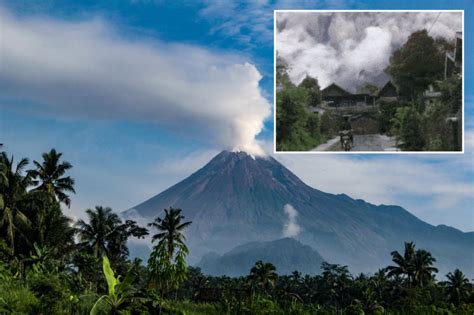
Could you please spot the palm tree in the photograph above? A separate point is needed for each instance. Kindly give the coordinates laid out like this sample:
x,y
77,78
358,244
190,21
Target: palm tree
x,y
167,260
404,263
335,279
49,176
100,233
170,231
263,275
13,189
458,287
423,267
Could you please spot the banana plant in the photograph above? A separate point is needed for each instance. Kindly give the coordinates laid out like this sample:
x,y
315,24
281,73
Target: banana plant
x,y
119,292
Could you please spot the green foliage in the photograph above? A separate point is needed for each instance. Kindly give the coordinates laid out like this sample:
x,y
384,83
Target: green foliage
x,y
387,111
451,91
411,75
292,120
190,308
13,190
106,234
167,262
43,271
48,175
407,124
263,276
458,287
119,292
313,125
15,297
314,91
51,292
416,266
297,128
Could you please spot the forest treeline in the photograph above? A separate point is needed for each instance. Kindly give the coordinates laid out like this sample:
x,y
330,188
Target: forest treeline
x,y
50,264
418,124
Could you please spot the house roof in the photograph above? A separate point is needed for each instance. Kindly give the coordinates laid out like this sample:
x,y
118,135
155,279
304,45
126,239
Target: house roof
x,y
387,86
337,87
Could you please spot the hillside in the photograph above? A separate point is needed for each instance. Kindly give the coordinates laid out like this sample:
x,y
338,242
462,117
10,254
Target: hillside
x,y
286,254
236,199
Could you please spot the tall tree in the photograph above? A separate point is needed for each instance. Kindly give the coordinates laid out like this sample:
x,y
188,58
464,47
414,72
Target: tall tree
x,y
418,63
49,175
167,260
312,85
335,279
106,234
423,267
458,287
13,190
404,263
263,275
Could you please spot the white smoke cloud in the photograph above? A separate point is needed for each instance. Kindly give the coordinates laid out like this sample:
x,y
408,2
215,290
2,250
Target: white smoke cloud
x,y
86,69
351,48
291,227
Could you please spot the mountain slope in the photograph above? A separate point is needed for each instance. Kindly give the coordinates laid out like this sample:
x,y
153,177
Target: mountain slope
x,y
286,254
236,199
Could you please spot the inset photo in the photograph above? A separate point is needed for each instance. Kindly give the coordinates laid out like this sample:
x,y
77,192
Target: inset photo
x,y
369,81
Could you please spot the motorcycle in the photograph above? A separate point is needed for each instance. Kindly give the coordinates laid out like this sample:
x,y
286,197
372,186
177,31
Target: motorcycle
x,y
346,140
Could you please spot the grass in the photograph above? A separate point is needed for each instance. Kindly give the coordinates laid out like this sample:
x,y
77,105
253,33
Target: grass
x,y
193,308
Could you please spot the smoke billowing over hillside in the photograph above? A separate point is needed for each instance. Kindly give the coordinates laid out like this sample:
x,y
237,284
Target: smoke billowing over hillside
x,y
352,48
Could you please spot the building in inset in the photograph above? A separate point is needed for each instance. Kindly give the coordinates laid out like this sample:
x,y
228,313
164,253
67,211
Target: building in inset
x,y
336,96
389,92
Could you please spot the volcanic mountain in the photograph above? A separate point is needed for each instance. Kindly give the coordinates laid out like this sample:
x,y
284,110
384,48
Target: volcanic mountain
x,y
236,199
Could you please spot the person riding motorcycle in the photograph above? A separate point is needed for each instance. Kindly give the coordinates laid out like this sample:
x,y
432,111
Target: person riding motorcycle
x,y
346,132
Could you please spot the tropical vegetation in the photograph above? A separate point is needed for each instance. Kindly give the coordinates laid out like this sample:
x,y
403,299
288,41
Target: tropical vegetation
x,y
419,121
50,264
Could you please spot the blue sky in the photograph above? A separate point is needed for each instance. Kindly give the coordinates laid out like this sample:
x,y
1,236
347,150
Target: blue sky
x,y
125,150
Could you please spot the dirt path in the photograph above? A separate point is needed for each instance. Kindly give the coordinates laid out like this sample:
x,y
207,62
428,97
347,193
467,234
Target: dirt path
x,y
373,142
327,145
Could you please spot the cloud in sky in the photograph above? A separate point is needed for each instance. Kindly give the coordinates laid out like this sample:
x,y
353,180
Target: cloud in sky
x,y
251,22
351,48
85,69
291,228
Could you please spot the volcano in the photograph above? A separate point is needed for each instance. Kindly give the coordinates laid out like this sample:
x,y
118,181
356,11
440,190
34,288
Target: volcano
x,y
237,199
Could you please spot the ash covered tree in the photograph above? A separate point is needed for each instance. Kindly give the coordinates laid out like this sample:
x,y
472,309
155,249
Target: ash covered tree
x,y
314,91
415,65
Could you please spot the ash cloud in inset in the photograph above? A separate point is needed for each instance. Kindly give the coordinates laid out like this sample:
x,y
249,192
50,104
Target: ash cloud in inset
x,y
351,48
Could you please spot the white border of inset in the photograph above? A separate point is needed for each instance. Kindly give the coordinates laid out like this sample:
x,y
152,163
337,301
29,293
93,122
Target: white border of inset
x,y
363,152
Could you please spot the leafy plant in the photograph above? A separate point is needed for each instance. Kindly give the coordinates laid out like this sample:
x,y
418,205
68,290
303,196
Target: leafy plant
x,y
167,260
119,294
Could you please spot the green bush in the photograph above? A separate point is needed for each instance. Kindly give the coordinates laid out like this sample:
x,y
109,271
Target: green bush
x,y
52,294
16,298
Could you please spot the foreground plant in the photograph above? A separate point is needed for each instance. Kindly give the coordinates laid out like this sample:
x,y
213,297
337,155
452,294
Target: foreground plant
x,y
119,292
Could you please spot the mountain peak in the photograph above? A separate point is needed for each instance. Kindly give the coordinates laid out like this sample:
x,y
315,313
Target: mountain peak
x,y
240,154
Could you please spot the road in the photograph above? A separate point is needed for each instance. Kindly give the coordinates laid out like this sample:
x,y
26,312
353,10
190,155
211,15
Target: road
x,y
373,142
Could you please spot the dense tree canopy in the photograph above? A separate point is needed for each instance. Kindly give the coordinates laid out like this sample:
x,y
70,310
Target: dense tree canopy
x,y
418,63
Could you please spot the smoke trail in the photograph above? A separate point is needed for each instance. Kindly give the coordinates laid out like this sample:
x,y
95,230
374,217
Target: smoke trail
x,y
291,227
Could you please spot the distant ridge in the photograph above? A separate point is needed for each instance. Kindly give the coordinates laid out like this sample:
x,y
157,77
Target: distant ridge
x,y
286,254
